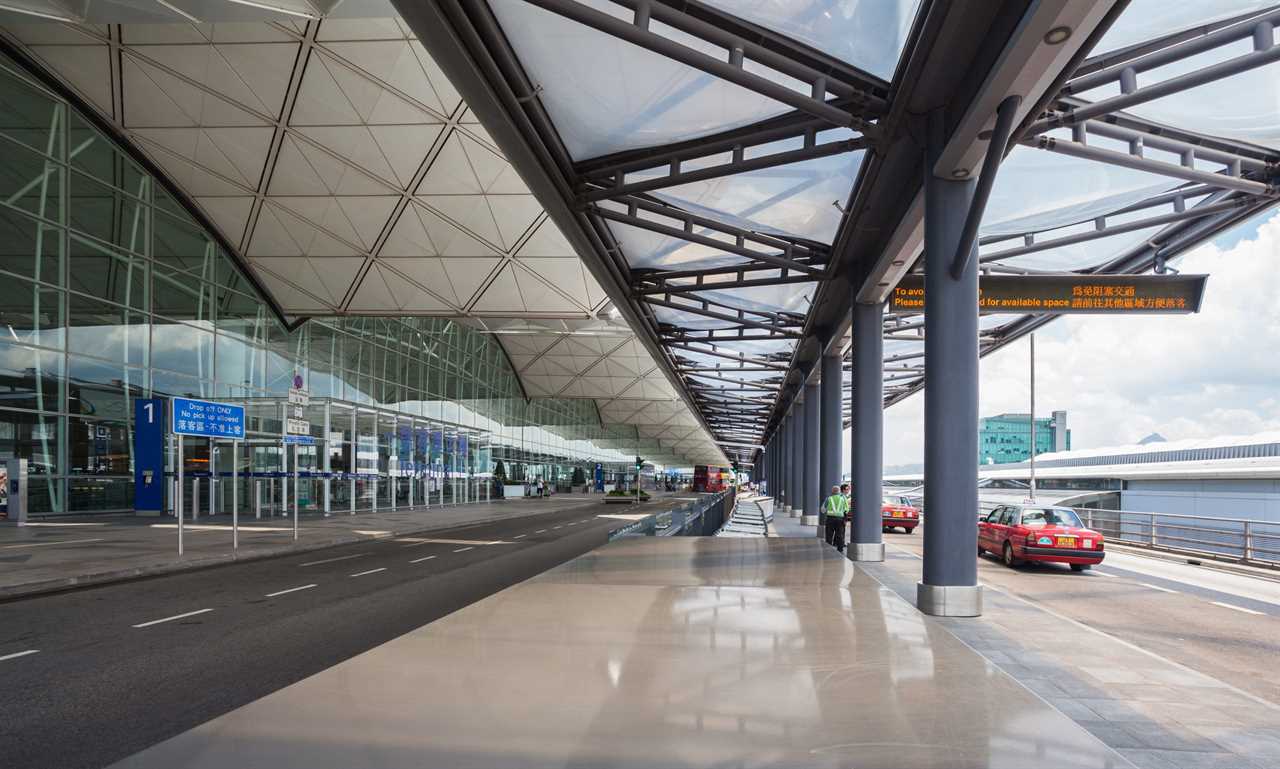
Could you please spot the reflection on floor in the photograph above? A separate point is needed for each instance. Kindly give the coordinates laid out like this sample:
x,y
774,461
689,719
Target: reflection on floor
x,y
660,652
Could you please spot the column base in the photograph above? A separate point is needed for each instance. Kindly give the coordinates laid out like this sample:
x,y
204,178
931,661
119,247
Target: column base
x,y
794,512
866,551
808,520
949,600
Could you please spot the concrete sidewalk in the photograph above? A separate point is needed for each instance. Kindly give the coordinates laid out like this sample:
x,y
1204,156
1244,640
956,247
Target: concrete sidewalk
x,y
57,554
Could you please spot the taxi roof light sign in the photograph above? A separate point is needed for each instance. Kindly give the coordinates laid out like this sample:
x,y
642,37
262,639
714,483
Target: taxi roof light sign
x,y
1070,294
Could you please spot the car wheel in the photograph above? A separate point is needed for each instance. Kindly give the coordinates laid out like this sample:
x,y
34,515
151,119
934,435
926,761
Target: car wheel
x,y
911,530
981,552
1079,566
1009,560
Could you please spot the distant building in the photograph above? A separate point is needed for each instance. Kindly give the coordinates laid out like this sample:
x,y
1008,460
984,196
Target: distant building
x,y
1006,438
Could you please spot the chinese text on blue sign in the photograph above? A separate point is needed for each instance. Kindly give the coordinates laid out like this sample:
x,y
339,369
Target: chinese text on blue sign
x,y
207,419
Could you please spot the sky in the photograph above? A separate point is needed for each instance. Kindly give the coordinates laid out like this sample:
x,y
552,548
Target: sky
x,y
1122,378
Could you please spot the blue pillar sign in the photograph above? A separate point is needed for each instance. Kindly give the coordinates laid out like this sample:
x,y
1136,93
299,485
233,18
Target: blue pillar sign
x,y
148,454
208,419
599,477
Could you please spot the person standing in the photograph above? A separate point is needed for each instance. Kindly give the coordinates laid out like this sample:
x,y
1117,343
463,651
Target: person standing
x,y
847,493
835,507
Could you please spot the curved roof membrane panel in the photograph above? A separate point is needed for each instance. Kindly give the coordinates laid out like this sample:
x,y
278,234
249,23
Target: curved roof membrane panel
x,y
606,96
868,35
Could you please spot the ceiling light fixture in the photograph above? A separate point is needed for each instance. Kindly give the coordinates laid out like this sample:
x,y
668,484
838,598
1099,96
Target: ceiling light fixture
x,y
1057,35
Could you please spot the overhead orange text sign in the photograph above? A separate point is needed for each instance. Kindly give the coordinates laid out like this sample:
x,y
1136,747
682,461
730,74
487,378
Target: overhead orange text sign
x,y
1070,294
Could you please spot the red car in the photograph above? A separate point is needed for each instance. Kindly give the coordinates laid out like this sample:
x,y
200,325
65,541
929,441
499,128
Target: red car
x,y
1029,532
897,512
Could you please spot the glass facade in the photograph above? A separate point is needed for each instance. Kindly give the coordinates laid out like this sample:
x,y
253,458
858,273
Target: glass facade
x,y
112,292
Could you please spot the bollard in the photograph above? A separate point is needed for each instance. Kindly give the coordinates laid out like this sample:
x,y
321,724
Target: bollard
x,y
195,499
257,499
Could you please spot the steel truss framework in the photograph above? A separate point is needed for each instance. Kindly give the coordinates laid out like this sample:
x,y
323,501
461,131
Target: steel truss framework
x,y
701,333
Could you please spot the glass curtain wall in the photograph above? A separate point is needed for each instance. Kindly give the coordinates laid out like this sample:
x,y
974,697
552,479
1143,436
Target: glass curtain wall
x,y
113,292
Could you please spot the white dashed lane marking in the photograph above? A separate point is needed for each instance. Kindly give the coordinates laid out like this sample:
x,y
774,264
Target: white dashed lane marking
x,y
16,655
420,560
334,560
463,549
370,571
1237,608
1157,587
290,590
171,619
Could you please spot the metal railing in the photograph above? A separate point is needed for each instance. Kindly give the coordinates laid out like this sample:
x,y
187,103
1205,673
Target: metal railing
x,y
1245,540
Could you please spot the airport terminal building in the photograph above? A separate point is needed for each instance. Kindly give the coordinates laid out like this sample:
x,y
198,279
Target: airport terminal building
x,y
116,287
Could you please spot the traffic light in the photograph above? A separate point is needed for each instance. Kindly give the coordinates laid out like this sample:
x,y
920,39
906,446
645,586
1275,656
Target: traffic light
x,y
639,464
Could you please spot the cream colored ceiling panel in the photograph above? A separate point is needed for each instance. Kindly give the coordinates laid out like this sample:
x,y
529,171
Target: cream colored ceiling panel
x,y
392,62
406,147
468,275
193,179
547,240
254,75
360,29
410,297
355,143
450,240
373,295
321,100
468,212
565,274
408,237
294,296
426,272
502,294
338,175
539,296
85,67
514,215
233,153
198,106
451,173
229,214
336,274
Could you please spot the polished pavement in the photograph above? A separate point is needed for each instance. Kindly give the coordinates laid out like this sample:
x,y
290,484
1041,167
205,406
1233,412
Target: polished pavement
x,y
659,652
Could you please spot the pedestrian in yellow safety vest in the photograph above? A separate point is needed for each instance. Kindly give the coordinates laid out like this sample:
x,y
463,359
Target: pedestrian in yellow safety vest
x,y
835,507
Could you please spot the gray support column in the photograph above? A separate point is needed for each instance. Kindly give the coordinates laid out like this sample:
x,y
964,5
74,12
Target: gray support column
x,y
797,459
866,441
950,585
809,472
832,428
784,461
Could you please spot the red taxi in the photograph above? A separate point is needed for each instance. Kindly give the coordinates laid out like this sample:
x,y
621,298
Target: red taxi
x,y
898,512
1030,532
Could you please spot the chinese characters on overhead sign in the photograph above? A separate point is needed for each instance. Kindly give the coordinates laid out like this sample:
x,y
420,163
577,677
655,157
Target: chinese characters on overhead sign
x,y
1070,294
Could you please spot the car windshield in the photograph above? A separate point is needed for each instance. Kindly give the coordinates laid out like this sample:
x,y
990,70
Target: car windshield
x,y
1049,516
892,500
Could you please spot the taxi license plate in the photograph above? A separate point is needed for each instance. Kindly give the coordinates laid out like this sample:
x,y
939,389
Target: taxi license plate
x,y
1066,541
897,513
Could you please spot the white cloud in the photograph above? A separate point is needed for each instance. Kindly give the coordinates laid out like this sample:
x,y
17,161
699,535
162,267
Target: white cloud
x,y
1184,376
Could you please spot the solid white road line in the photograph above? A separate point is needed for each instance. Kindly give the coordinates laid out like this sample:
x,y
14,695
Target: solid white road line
x,y
420,560
1157,587
333,560
290,590
370,571
47,544
463,549
171,619
15,655
1237,608
1103,574
519,536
